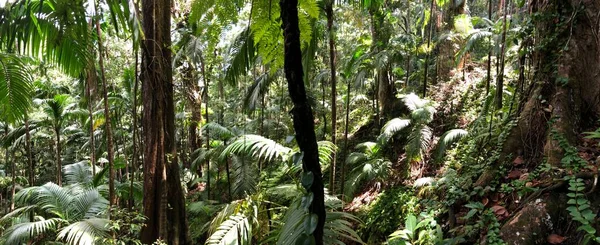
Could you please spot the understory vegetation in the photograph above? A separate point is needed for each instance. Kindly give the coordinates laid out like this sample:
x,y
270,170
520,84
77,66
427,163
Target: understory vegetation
x,y
286,122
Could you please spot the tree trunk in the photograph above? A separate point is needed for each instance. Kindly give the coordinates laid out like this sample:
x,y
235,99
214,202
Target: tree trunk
x,y
380,33
302,112
164,204
332,61
426,69
58,159
13,175
446,56
90,80
570,95
489,61
194,99
29,153
109,137
134,111
500,80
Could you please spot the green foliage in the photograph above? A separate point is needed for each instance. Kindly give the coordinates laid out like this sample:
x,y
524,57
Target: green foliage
x,y
15,87
425,230
580,210
383,216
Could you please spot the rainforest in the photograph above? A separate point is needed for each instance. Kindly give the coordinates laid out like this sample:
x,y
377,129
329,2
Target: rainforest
x,y
299,122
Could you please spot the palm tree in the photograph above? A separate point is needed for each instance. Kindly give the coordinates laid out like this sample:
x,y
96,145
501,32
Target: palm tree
x,y
74,214
57,110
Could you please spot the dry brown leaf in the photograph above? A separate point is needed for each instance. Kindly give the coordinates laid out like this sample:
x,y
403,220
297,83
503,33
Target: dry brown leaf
x,y
555,239
518,161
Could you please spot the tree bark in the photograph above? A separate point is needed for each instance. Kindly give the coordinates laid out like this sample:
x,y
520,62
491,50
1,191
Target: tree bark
x,y
332,61
302,114
500,80
109,137
164,204
567,88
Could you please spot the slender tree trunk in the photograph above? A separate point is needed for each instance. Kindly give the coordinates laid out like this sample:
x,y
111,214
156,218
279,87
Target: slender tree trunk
x,y
134,154
109,137
332,61
13,175
164,204
500,81
346,129
302,112
58,154
429,50
90,80
29,153
206,97
489,61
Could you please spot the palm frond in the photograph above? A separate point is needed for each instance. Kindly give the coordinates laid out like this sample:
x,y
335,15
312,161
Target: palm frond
x,y
85,232
88,204
219,131
391,128
79,173
418,142
23,232
448,138
235,230
240,56
244,176
326,151
256,146
15,87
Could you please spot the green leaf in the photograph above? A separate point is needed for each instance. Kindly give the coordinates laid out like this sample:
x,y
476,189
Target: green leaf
x,y
310,223
307,179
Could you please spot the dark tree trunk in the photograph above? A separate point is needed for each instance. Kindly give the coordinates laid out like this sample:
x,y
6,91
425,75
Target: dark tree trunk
x,y
332,60
302,112
164,204
134,113
500,80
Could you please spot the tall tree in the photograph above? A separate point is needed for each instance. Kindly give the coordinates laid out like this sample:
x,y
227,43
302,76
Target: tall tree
x,y
302,114
164,204
332,60
108,125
